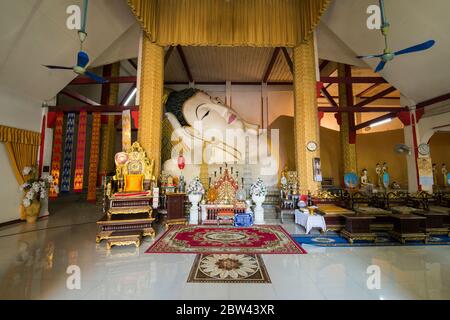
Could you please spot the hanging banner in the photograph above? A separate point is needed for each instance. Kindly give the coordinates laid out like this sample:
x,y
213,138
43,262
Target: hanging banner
x,y
81,151
68,148
126,130
94,156
56,154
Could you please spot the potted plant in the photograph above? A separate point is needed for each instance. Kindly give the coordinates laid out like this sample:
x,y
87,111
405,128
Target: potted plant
x,y
35,189
258,191
195,192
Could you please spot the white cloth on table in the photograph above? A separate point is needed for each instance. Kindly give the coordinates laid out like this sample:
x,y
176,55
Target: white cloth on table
x,y
310,221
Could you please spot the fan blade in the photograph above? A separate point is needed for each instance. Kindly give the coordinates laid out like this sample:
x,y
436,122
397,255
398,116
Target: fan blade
x,y
83,59
58,67
380,66
95,77
370,56
420,47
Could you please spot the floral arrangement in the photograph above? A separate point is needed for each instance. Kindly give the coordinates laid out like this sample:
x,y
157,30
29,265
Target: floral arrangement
x,y
195,187
258,188
35,188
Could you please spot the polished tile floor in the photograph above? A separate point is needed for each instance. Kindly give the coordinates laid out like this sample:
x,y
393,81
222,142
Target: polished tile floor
x,y
34,262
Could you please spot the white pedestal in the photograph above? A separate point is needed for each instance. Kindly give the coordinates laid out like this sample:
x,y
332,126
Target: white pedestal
x,y
259,210
193,211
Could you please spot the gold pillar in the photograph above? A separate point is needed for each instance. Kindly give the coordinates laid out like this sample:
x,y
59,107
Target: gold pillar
x,y
204,174
150,100
348,149
306,123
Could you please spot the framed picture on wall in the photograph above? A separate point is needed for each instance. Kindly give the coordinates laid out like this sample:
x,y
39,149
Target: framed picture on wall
x,y
317,170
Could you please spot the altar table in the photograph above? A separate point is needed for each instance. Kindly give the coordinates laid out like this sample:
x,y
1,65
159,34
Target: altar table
x,y
310,221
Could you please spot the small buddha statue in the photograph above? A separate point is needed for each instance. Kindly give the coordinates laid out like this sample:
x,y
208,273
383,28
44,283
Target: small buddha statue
x,y
379,172
444,173
181,185
435,179
364,180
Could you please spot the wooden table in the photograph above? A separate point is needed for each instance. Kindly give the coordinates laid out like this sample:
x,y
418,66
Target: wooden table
x,y
357,227
175,209
284,211
408,227
434,223
140,222
383,220
124,238
334,215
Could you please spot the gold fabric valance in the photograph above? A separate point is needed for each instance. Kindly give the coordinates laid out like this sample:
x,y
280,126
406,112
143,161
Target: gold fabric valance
x,y
260,23
14,135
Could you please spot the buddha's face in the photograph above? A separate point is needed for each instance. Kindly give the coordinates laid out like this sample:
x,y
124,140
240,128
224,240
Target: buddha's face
x,y
211,113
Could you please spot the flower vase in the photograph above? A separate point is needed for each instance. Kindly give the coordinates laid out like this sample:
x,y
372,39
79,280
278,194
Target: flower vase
x,y
194,198
259,210
32,212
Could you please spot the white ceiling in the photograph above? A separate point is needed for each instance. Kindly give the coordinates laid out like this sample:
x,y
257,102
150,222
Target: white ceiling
x,y
34,33
419,76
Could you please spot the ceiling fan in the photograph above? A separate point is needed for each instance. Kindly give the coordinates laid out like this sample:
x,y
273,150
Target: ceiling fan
x,y
388,55
82,56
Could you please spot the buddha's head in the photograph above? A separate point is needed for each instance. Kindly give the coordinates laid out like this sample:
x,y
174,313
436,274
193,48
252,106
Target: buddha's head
x,y
190,106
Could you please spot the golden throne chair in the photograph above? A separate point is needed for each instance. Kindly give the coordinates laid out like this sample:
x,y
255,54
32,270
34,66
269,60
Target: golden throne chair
x,y
132,182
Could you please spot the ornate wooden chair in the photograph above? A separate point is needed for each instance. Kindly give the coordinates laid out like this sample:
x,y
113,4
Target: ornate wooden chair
x,y
129,192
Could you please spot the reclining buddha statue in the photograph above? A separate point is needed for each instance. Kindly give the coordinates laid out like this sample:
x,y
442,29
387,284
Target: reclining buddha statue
x,y
211,132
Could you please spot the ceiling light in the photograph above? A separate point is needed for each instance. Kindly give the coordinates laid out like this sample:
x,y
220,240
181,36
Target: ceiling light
x,y
130,97
379,123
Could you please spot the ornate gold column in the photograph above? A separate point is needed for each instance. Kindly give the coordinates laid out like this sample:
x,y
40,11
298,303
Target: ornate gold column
x,y
306,124
108,130
150,100
348,139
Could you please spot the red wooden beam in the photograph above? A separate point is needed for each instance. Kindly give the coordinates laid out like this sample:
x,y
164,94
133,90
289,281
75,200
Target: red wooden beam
x,y
329,97
78,97
352,80
430,102
90,109
376,97
133,64
288,59
86,80
167,55
421,105
323,64
361,109
275,54
185,64
359,95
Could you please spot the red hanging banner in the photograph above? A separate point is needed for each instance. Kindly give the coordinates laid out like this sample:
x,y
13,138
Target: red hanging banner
x,y
56,154
81,151
94,156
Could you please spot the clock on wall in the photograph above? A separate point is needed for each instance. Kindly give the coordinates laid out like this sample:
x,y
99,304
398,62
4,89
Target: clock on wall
x,y
311,146
424,149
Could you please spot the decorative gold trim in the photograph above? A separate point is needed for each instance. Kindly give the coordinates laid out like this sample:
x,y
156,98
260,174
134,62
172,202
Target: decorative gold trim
x,y
358,236
170,223
403,237
112,242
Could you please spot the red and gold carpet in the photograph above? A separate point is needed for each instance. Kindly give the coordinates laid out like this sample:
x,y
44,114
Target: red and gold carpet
x,y
263,239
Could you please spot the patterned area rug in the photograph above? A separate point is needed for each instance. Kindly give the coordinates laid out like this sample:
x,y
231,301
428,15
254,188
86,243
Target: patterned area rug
x,y
264,239
229,268
332,239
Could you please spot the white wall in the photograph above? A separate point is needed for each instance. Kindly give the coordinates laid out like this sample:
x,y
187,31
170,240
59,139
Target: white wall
x,y
19,112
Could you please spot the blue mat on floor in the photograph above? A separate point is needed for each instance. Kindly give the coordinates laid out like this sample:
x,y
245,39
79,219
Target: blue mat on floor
x,y
332,239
